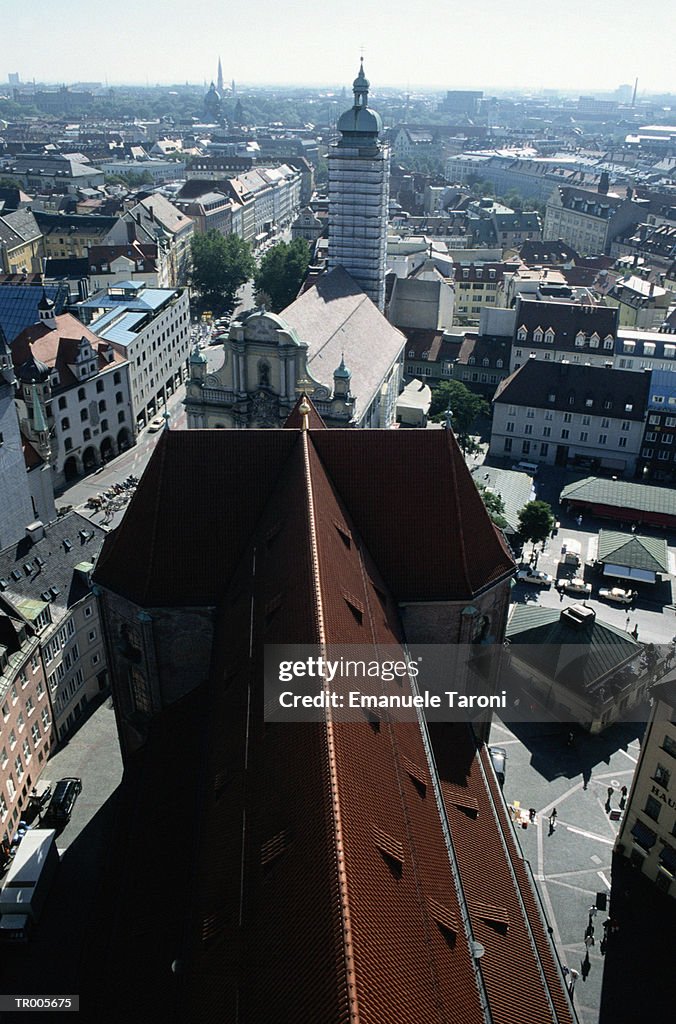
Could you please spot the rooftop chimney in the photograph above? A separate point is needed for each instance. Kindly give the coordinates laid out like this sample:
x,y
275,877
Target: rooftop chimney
x,y
604,183
35,531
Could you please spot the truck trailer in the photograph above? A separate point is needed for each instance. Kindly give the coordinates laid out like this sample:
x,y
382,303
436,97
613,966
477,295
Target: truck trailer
x,y
27,884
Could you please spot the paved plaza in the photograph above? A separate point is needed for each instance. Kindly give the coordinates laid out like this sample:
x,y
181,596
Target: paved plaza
x,y
571,863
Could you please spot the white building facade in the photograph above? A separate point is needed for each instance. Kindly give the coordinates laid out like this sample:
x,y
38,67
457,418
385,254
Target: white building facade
x,y
150,327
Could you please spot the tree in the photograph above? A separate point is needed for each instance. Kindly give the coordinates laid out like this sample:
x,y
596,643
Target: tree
x,y
536,522
495,506
282,272
220,265
465,406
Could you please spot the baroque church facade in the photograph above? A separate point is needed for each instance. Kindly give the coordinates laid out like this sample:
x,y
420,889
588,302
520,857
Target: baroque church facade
x,y
333,342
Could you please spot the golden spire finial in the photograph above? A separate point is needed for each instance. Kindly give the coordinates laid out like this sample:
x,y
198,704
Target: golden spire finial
x,y
304,410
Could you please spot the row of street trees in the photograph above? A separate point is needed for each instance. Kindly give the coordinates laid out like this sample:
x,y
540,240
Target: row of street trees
x,y
221,264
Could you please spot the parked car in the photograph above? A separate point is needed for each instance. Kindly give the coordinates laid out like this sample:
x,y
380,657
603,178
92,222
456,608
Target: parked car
x,y
155,424
574,586
535,576
617,595
61,805
499,762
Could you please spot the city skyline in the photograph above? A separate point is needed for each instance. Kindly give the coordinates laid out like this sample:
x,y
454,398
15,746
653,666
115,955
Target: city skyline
x,y
491,50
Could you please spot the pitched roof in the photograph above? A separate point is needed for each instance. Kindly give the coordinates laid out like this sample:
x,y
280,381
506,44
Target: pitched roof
x,y
337,901
372,470
575,655
19,304
631,550
567,320
575,388
622,494
334,316
56,347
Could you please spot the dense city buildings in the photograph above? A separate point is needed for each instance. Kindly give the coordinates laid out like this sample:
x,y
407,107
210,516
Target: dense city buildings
x,y
497,262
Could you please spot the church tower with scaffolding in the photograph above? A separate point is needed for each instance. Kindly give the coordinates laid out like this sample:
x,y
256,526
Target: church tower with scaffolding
x,y
359,173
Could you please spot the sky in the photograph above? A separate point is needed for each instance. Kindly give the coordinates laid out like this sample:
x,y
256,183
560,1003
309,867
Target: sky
x,y
446,44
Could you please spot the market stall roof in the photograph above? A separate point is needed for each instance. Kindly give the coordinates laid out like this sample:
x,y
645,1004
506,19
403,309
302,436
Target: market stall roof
x,y
596,490
633,552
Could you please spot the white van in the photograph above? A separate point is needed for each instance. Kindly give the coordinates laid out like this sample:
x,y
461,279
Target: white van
x,y
27,883
526,467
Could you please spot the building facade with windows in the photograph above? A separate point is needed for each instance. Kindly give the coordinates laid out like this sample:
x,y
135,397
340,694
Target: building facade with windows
x,y
26,719
658,451
647,837
150,328
74,394
45,583
567,415
644,350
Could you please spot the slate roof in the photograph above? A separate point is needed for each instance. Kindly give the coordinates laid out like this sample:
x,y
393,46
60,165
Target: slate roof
x,y
547,252
93,225
566,319
621,494
335,316
337,902
575,388
596,204
19,304
577,656
24,223
63,547
634,551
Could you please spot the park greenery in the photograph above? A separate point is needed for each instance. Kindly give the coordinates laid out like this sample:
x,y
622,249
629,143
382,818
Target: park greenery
x,y
281,273
220,265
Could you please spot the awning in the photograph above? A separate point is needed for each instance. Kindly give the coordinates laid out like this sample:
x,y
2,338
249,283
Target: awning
x,y
668,859
643,835
624,572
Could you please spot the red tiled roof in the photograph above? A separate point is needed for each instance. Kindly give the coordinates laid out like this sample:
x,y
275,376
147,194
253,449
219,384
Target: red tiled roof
x,y
56,347
440,545
314,882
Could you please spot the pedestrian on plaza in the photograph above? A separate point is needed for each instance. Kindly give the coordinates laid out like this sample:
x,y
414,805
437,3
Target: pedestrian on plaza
x,y
604,945
586,967
589,934
552,821
593,910
623,791
531,813
574,975
588,941
610,793
561,594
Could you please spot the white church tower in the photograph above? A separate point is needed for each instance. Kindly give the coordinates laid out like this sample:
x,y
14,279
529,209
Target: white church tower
x,y
359,192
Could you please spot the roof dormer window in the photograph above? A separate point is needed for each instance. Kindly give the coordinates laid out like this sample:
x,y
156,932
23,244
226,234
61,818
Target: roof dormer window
x,y
549,336
580,339
537,334
522,333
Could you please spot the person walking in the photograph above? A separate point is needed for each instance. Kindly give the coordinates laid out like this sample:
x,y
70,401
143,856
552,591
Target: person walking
x,y
552,821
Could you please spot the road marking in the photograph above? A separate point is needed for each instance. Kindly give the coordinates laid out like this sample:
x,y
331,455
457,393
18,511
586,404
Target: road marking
x,y
603,879
589,835
567,885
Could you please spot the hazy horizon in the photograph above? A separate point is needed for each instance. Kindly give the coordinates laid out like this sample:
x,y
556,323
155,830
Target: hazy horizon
x,y
580,47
